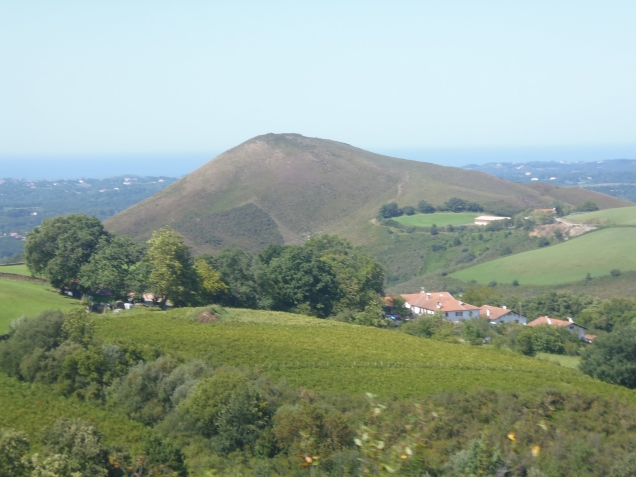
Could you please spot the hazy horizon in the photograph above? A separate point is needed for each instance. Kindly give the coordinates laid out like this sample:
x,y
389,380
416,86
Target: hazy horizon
x,y
95,166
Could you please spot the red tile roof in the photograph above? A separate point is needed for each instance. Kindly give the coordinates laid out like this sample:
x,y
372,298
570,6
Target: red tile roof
x,y
495,311
437,301
544,320
589,337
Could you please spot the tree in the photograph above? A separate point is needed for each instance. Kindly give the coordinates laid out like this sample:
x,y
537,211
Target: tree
x,y
359,276
434,230
480,295
237,271
587,206
390,210
408,210
172,274
608,314
455,204
60,247
211,286
299,280
14,447
612,358
112,266
425,208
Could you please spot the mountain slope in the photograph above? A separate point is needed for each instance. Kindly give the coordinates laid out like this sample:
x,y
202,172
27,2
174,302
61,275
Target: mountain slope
x,y
282,188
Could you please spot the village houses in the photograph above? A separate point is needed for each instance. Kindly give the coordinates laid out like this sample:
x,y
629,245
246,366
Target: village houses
x,y
568,324
443,302
501,315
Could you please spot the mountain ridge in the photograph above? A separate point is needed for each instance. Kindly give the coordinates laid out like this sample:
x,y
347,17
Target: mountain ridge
x,y
308,186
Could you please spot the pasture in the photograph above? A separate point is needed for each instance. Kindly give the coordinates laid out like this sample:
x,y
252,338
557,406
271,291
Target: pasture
x,y
620,216
15,269
21,297
441,219
596,253
331,356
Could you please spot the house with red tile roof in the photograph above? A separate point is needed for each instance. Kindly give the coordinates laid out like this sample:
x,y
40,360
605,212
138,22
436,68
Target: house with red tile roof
x,y
498,315
568,324
589,338
442,302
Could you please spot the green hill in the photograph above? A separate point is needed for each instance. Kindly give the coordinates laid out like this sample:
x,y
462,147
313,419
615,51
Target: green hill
x,y
285,187
338,357
596,253
24,297
621,216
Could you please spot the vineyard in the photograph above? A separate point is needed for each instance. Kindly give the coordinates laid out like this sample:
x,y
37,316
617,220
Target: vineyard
x,y
332,356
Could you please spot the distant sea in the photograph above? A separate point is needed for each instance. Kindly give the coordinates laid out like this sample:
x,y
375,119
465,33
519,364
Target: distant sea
x,y
177,165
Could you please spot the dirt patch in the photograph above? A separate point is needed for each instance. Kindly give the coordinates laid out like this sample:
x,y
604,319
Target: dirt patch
x,y
568,230
207,317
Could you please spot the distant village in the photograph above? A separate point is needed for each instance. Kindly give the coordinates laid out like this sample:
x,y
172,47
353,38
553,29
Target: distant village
x,y
455,310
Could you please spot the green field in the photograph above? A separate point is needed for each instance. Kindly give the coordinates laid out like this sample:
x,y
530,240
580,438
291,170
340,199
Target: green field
x,y
596,253
338,357
620,216
16,269
18,297
440,219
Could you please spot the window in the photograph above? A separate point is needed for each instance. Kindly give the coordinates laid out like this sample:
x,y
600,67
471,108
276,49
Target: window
x,y
458,313
446,314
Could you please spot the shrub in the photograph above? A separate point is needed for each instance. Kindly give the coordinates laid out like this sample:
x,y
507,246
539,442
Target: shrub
x,y
425,208
615,272
390,210
14,447
408,210
612,358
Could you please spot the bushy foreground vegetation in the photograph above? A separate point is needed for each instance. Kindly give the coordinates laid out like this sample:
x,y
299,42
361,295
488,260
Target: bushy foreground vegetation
x,y
206,413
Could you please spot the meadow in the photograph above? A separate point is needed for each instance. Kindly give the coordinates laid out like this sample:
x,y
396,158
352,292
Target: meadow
x,y
21,297
441,219
16,269
596,253
620,216
331,356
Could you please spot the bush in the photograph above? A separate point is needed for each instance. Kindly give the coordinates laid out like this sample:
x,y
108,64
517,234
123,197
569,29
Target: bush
x,y
612,358
14,447
408,210
425,208
390,210
615,272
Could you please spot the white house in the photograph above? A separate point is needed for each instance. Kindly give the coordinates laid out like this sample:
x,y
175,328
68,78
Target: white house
x,y
486,219
572,327
443,302
498,315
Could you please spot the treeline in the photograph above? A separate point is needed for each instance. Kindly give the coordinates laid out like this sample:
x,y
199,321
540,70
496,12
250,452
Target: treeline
x,y
454,204
325,276
232,421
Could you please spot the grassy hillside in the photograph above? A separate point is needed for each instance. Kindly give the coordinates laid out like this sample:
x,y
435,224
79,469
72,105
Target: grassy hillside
x,y
621,216
596,253
15,269
21,297
576,196
333,356
440,219
286,187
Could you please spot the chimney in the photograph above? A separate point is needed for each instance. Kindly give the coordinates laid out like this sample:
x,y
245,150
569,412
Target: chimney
x,y
441,294
461,302
570,319
428,295
549,320
422,290
439,305
505,307
488,312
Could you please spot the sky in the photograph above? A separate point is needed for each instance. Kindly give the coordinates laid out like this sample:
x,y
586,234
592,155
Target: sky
x,y
171,84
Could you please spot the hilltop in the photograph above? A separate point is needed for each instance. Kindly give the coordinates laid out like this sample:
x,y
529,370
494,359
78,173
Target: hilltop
x,y
283,188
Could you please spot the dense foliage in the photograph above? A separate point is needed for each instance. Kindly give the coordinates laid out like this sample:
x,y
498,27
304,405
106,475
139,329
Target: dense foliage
x,y
238,421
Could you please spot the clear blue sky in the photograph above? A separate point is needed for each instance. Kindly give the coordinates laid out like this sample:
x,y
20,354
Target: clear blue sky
x,y
189,77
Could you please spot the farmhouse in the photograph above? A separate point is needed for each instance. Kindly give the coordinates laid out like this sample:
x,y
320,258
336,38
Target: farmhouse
x,y
443,302
498,315
486,219
572,327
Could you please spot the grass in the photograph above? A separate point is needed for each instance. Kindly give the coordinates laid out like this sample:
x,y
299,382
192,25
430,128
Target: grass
x,y
565,361
31,407
19,297
620,216
596,253
16,269
332,356
440,219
